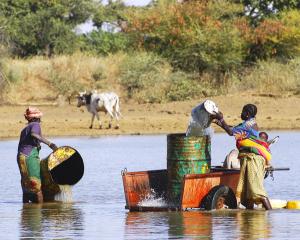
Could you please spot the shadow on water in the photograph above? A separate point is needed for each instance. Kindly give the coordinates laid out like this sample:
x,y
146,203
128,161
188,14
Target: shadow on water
x,y
51,220
228,224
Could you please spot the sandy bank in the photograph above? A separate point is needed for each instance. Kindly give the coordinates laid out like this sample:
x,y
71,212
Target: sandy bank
x,y
68,120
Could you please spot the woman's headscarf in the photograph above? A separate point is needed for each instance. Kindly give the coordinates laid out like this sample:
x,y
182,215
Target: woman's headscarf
x,y
32,112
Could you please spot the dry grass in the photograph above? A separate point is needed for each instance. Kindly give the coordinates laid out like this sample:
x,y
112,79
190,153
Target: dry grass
x,y
274,77
42,80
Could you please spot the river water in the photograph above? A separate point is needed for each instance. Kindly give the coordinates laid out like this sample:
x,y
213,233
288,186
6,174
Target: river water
x,y
97,210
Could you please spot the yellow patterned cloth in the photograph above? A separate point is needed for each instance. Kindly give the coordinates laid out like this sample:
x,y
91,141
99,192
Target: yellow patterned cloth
x,y
59,155
250,187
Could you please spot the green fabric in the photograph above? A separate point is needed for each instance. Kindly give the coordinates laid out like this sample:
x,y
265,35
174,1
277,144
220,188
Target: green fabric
x,y
33,164
29,167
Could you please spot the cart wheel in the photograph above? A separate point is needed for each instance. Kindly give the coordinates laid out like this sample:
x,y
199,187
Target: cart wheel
x,y
220,197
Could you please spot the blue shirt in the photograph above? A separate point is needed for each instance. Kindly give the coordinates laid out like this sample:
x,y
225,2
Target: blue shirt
x,y
245,130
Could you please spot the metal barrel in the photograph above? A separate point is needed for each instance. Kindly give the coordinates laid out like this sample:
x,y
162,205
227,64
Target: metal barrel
x,y
62,167
185,155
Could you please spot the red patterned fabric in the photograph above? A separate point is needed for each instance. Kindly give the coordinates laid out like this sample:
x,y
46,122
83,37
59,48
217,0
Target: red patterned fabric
x,y
32,112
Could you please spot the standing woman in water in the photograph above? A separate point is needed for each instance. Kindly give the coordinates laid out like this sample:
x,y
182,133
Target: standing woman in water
x,y
250,188
28,156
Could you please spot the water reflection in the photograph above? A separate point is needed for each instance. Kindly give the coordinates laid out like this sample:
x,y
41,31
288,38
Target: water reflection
x,y
235,224
146,224
241,224
190,224
51,220
169,225
254,224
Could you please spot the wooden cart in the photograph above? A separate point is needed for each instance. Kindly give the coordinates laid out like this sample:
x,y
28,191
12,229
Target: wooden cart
x,y
214,190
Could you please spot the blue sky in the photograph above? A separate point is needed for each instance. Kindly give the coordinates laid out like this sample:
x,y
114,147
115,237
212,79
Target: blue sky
x,y
133,2
137,2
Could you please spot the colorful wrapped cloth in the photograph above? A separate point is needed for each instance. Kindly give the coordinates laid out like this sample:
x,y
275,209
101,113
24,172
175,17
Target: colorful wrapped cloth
x,y
247,140
29,167
255,146
245,130
250,186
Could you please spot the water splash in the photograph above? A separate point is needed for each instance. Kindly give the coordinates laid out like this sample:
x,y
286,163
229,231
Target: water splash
x,y
65,194
208,131
153,200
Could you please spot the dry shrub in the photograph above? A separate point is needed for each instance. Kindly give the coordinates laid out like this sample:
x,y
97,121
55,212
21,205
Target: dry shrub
x,y
41,79
147,77
273,76
26,80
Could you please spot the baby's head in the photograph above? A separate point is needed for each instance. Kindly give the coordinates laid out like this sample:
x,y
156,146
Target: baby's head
x,y
264,136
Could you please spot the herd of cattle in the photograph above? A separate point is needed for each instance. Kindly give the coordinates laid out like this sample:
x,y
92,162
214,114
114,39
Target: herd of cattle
x,y
95,102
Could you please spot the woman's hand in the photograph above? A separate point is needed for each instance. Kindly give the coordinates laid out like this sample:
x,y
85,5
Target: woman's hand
x,y
218,115
53,146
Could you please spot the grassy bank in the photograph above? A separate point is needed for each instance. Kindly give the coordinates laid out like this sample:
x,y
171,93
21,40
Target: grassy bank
x,y
141,77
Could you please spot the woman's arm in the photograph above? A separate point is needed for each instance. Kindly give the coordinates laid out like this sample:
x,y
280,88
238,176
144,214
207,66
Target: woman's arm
x,y
226,127
44,140
221,122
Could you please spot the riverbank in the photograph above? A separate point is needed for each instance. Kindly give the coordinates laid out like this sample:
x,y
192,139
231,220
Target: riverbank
x,y
274,113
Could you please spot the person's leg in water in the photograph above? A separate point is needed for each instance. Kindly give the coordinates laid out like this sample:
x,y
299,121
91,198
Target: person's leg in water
x,y
266,203
250,204
26,198
33,197
39,197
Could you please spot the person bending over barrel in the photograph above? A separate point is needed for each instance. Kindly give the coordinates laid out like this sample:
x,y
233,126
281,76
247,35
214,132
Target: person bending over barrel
x,y
28,156
253,155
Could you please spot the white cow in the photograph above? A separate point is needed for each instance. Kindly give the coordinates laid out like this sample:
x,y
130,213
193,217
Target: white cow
x,y
95,102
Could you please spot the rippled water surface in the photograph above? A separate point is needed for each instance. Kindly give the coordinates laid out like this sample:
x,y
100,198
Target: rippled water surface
x,y
98,208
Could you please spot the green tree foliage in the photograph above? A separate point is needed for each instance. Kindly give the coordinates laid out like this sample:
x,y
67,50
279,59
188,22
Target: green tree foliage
x,y
147,77
111,13
195,36
104,43
109,37
4,41
260,9
272,37
44,27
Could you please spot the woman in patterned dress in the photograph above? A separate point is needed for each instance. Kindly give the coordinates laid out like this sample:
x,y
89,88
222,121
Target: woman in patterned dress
x,y
28,156
250,189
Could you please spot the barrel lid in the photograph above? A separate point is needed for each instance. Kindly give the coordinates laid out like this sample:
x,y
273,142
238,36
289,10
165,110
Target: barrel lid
x,y
210,107
60,155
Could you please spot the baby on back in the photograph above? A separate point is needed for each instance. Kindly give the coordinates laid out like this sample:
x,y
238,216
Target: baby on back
x,y
263,136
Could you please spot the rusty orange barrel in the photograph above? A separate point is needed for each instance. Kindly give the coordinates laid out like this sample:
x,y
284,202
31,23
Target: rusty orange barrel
x,y
185,155
62,167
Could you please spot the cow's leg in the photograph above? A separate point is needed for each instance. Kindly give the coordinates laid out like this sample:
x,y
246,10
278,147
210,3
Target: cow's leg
x,y
111,118
116,116
99,121
116,112
92,121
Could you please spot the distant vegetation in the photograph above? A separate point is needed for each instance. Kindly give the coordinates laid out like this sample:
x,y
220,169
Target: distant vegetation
x,y
166,51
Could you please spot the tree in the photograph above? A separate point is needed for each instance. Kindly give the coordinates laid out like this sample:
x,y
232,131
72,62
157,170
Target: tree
x,y
44,27
195,36
112,14
259,9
